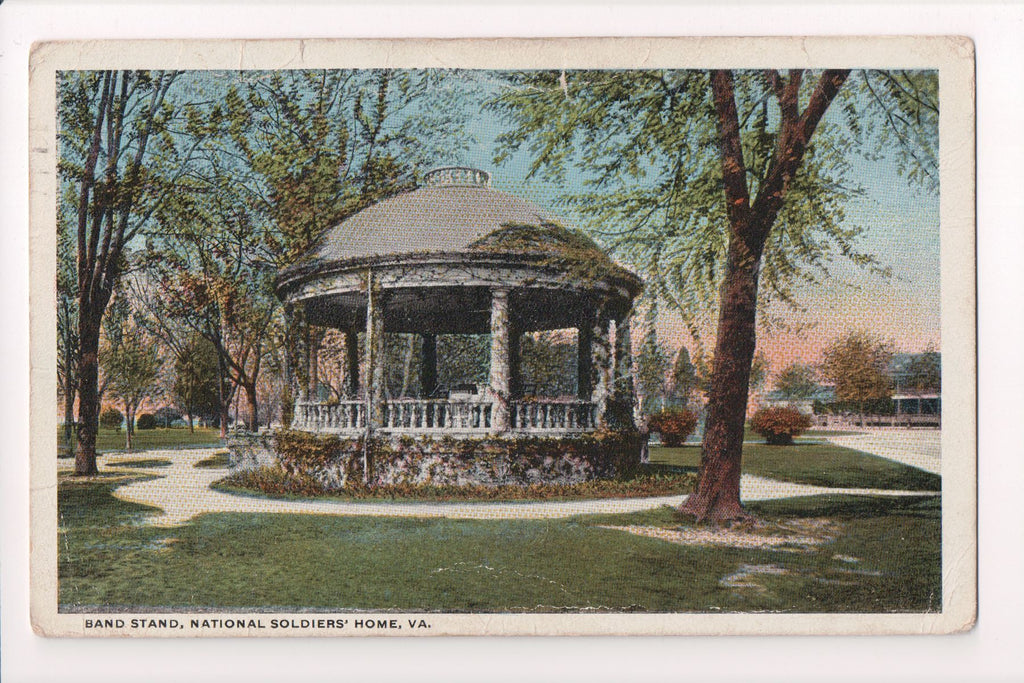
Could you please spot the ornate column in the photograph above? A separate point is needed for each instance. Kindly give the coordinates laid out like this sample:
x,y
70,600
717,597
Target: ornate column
x,y
500,360
601,364
428,373
351,363
375,302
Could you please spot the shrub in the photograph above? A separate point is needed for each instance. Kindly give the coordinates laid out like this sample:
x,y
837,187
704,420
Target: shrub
x,y
146,421
673,425
111,418
165,417
779,425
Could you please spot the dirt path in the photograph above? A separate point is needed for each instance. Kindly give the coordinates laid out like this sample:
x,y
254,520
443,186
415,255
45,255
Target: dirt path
x,y
183,491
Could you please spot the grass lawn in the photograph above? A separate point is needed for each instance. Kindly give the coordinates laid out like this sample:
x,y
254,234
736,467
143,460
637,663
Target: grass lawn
x,y
814,463
874,554
153,439
217,461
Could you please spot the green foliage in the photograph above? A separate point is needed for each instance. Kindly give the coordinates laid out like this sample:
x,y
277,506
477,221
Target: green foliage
x,y
146,421
111,418
684,377
651,369
796,381
548,363
276,482
571,251
196,378
674,426
924,373
132,364
779,425
647,145
857,364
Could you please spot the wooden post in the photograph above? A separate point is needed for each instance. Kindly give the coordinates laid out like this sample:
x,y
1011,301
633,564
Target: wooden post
x,y
500,357
428,374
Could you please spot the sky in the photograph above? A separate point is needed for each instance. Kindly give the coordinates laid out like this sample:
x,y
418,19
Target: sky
x,y
901,223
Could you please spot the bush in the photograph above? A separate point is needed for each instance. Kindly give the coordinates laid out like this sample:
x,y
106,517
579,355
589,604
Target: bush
x,y
111,418
673,425
146,421
165,417
779,425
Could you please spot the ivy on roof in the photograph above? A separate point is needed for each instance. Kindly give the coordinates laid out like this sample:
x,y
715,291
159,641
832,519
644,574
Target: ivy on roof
x,y
569,250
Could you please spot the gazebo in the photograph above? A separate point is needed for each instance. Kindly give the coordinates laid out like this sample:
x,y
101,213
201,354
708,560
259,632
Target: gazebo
x,y
456,256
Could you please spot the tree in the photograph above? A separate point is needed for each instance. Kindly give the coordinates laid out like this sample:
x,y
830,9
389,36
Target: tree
x,y
684,377
132,365
196,387
67,331
924,373
652,371
548,363
857,364
118,157
796,381
722,194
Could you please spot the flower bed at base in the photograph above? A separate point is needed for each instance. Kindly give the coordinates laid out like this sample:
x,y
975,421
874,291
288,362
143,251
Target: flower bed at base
x,y
275,482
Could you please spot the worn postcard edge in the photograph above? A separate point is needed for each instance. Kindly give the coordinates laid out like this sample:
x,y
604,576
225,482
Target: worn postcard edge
x,y
952,56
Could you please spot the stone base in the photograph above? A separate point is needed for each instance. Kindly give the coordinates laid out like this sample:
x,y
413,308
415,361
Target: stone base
x,y
488,461
249,450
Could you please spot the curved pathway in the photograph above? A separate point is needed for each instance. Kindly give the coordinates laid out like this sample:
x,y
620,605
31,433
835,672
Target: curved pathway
x,y
183,491
920,448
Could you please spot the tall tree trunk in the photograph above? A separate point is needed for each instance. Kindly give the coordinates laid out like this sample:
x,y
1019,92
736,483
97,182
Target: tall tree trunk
x,y
750,223
88,392
718,478
69,417
129,424
252,417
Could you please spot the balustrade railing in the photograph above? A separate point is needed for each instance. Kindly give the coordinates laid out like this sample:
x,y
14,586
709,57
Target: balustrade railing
x,y
436,415
558,415
409,415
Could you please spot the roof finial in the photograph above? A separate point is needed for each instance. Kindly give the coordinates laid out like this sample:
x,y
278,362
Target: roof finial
x,y
457,175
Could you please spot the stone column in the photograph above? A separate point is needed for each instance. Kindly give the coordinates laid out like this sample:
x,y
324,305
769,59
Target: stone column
x,y
500,357
375,302
428,373
585,359
351,363
601,364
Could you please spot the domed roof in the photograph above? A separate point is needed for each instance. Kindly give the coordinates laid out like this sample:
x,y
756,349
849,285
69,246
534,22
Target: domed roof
x,y
453,210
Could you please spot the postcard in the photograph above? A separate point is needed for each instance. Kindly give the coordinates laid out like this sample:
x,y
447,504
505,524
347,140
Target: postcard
x,y
586,336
